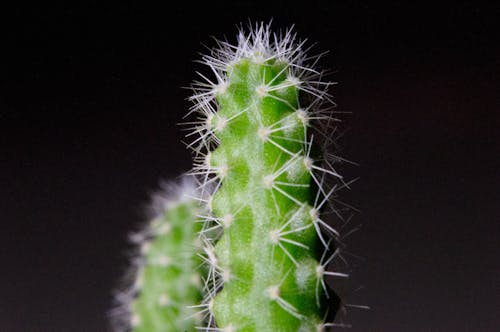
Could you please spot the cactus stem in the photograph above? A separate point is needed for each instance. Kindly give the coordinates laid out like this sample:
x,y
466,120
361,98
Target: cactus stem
x,y
269,181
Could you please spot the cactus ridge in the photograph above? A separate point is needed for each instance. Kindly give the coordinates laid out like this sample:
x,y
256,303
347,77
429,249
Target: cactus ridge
x,y
264,126
166,281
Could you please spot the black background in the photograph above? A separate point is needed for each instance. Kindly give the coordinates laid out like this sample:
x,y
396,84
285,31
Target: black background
x,y
90,97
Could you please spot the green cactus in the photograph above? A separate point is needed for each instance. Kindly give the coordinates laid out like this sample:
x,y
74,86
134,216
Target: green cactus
x,y
256,144
168,280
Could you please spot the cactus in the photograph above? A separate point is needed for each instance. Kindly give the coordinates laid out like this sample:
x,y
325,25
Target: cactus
x,y
167,278
265,120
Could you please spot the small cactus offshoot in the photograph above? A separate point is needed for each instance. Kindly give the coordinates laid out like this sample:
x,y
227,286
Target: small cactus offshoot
x,y
167,281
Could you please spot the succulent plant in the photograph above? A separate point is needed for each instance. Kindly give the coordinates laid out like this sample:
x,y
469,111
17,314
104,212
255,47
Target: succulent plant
x,y
264,124
252,238
166,277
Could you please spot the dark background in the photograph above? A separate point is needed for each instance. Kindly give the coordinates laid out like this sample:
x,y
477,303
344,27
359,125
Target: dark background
x,y
90,97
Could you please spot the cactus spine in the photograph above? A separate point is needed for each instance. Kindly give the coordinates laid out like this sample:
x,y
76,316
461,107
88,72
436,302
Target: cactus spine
x,y
167,280
257,117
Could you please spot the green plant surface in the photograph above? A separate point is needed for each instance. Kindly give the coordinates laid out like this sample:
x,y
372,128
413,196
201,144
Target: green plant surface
x,y
168,281
270,193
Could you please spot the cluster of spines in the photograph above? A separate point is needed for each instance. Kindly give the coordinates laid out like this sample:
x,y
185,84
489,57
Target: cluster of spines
x,y
166,281
261,140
